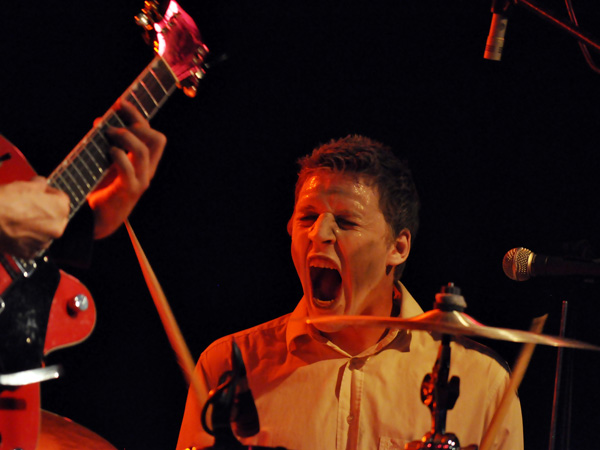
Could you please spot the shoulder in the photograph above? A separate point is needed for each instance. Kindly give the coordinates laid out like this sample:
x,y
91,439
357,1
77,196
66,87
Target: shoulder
x,y
273,329
255,343
480,352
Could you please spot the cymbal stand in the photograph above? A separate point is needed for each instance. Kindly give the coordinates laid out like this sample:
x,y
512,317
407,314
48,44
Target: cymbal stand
x,y
437,391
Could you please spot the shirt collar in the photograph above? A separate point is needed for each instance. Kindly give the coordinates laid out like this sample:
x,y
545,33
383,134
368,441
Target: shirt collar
x,y
298,331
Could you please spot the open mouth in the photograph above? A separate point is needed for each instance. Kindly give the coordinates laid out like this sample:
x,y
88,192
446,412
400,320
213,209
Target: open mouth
x,y
326,285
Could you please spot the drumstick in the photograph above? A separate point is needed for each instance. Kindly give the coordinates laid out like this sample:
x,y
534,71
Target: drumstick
x,y
174,335
515,380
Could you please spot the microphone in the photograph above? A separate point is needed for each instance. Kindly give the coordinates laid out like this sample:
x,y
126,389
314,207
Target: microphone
x,y
520,264
495,41
244,420
233,407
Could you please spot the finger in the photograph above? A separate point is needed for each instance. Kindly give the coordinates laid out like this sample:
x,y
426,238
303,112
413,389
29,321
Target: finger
x,y
124,168
38,180
129,114
126,140
155,141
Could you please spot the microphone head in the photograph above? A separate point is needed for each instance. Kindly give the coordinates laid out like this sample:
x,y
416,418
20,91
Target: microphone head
x,y
516,264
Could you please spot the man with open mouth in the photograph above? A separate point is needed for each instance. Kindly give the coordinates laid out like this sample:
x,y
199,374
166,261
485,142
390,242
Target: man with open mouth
x,y
331,386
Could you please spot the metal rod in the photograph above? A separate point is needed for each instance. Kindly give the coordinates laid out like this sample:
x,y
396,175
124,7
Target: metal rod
x,y
574,31
557,377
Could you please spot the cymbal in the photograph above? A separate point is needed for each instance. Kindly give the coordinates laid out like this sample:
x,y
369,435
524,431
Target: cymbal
x,y
60,433
454,323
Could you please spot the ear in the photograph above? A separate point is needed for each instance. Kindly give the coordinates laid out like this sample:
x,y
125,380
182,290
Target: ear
x,y
289,225
400,249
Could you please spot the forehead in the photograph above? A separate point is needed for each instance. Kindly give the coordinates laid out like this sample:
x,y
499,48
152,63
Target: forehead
x,y
337,187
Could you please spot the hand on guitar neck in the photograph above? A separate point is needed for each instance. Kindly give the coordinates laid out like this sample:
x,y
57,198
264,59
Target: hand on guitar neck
x,y
136,151
33,214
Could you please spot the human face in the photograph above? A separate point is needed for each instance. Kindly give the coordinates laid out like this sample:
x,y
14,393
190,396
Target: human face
x,y
342,247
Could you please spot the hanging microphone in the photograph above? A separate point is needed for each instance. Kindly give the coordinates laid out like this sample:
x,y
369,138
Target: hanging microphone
x,y
244,419
520,264
495,40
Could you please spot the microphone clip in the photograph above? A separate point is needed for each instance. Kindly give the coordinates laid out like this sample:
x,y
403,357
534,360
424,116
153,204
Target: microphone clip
x,y
225,404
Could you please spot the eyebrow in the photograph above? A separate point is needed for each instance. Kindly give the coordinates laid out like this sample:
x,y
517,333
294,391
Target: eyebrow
x,y
304,209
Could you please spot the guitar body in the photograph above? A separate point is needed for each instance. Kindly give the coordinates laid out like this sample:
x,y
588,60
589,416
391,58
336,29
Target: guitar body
x,y
47,293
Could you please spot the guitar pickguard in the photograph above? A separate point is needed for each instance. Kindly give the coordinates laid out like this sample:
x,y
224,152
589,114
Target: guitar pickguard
x,y
23,323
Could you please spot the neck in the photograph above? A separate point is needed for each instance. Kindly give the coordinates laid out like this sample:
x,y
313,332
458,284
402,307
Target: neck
x,y
355,340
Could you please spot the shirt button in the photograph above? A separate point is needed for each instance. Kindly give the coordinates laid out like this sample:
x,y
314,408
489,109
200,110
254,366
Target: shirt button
x,y
350,418
356,363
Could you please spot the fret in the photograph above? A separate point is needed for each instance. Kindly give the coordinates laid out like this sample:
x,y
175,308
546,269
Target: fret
x,y
145,85
102,153
99,140
88,170
164,76
61,184
92,159
137,101
114,120
158,82
81,175
68,172
154,87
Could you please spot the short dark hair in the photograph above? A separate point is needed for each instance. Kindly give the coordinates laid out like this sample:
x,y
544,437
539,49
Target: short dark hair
x,y
376,162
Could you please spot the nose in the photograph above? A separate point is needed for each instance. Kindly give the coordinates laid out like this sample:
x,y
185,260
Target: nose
x,y
323,230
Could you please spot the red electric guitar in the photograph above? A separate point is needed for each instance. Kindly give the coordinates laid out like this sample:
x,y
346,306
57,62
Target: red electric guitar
x,y
42,308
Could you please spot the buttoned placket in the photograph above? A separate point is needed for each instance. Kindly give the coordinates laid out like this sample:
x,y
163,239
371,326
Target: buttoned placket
x,y
349,409
351,394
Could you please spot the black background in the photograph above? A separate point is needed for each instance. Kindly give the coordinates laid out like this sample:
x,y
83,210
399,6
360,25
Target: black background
x,y
504,155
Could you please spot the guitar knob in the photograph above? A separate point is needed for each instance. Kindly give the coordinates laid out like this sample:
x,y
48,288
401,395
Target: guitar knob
x,y
77,304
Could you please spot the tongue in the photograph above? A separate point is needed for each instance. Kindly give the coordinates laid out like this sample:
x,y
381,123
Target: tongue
x,y
326,283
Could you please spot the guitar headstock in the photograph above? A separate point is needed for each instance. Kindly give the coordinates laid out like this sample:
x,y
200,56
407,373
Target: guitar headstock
x,y
177,40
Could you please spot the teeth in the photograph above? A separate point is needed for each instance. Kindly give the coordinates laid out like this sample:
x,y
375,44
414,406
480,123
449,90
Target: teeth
x,y
323,264
323,303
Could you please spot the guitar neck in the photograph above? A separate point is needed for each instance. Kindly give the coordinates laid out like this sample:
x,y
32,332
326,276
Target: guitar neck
x,y
84,168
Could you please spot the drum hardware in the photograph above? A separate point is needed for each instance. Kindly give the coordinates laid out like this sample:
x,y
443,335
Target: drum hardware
x,y
233,408
448,319
454,322
437,391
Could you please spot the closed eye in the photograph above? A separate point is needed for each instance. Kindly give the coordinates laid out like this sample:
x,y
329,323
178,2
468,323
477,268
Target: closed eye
x,y
345,223
308,219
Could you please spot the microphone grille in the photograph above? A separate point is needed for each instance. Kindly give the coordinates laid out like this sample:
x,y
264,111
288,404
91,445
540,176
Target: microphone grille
x,y
515,264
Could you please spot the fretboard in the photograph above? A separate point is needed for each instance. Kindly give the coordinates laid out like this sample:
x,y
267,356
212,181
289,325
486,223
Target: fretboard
x,y
83,169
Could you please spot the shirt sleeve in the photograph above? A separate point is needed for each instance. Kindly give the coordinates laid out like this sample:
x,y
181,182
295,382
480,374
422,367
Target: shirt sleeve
x,y
75,246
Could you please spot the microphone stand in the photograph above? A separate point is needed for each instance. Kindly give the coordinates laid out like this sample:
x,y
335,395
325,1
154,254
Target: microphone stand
x,y
557,386
573,31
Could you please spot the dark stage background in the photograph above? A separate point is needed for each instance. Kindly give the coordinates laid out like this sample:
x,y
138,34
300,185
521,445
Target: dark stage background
x,y
504,154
